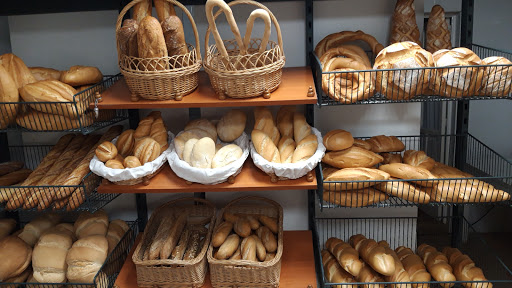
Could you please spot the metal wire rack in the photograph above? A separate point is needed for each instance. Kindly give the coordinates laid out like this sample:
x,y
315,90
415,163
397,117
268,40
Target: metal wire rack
x,y
483,164
75,116
107,274
430,84
32,155
403,231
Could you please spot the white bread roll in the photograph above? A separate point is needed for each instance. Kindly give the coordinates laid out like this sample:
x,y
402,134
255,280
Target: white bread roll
x,y
226,155
265,147
89,224
49,257
301,128
15,255
202,153
305,148
205,125
286,148
33,230
187,150
85,258
231,125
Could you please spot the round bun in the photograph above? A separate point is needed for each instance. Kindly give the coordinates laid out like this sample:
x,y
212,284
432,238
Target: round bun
x,y
231,125
131,162
106,151
147,150
126,142
337,140
114,164
81,75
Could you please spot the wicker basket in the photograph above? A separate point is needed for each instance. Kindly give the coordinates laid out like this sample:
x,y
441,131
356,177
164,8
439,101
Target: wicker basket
x,y
176,75
174,273
256,73
241,273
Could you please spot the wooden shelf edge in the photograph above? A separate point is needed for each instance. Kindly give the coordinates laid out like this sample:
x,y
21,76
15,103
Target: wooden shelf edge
x,y
297,266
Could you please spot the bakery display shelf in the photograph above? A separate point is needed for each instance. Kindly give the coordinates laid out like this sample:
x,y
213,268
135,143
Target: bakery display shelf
x,y
405,231
292,91
250,178
106,276
486,166
84,195
297,269
82,105
356,81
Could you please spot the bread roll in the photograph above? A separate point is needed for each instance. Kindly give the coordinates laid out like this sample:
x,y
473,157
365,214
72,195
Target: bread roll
x,y
231,125
403,23
383,143
8,93
405,171
85,258
106,151
114,164
203,153
116,230
438,34
497,80
373,254
333,271
418,159
285,120
362,144
242,227
354,174
221,233
163,9
151,43
268,239
286,149
143,128
301,128
81,75
265,147
226,155
42,73
49,258
352,157
6,227
305,148
15,255
354,198
346,255
269,222
63,228
248,249
89,224
457,82
391,158
159,133
174,37
126,142
127,38
141,10
228,248
17,69
202,124
336,140
131,162
146,150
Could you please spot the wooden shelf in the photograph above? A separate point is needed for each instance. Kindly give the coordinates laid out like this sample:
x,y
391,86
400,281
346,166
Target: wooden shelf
x,y
250,179
297,266
292,91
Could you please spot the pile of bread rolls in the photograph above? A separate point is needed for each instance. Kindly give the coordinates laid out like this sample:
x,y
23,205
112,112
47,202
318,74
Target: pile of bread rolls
x,y
288,139
48,251
39,84
66,164
245,237
145,36
137,147
350,159
197,144
367,261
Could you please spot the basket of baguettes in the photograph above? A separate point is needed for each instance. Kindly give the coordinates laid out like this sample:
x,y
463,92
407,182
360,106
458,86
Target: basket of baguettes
x,y
372,263
248,67
285,148
247,244
136,155
172,252
210,154
153,56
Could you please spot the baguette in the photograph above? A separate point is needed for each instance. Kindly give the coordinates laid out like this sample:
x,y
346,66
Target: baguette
x,y
14,177
228,248
346,255
405,171
221,233
354,174
127,38
284,121
465,269
437,265
174,37
166,224
173,236
418,159
163,9
193,246
373,254
368,275
265,146
301,128
305,148
9,167
179,250
39,121
141,10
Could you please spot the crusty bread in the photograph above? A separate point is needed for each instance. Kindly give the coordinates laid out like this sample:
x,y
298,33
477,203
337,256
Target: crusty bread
x,y
438,34
17,69
8,93
382,143
231,125
85,258
418,159
81,75
151,43
163,9
89,224
265,147
405,171
52,91
496,80
202,153
146,150
403,23
127,38
336,140
131,162
354,198
174,37
352,157
204,125
49,257
305,148
106,151
125,143
141,10
42,73
15,255
284,120
353,174
301,128
404,190
226,155
286,147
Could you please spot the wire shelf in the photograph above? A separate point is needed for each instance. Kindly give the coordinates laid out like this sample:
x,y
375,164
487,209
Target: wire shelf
x,y
107,274
416,84
403,231
484,164
32,155
75,116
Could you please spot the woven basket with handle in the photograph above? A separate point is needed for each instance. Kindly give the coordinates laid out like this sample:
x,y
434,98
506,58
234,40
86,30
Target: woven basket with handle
x,y
147,78
243,68
175,273
243,273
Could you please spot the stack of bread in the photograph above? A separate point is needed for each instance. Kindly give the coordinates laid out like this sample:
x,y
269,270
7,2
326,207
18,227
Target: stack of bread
x,y
245,237
198,145
66,164
48,251
288,139
147,37
137,147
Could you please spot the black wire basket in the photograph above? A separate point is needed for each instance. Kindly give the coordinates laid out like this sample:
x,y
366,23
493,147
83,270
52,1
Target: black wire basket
x,y
485,165
404,231
107,274
75,116
32,155
415,84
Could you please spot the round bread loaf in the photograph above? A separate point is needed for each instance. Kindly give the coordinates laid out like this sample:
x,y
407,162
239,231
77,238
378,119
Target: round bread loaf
x,y
231,125
187,150
227,155
15,255
81,75
496,80
337,140
131,162
114,164
126,142
49,257
202,153
305,148
91,224
85,258
205,125
146,150
106,151
286,147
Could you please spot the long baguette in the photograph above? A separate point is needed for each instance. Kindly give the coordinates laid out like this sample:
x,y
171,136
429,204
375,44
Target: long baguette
x,y
158,240
9,167
173,236
193,246
179,250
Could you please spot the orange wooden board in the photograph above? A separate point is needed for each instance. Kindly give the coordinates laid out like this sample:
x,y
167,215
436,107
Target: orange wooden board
x,y
250,179
292,91
297,266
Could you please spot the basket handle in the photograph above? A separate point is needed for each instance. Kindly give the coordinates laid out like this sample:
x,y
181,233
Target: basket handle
x,y
174,2
258,13
248,2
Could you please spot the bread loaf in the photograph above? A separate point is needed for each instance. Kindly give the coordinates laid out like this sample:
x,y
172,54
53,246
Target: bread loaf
x,y
354,174
418,159
352,157
81,75
146,150
226,155
21,278
14,177
286,147
174,37
38,121
17,69
131,162
228,248
106,151
383,143
127,38
163,9
183,137
49,258
89,224
173,236
141,10
404,190
193,245
85,258
126,142
248,249
15,255
6,227
42,73
336,140
268,239
414,266
264,121
221,233
368,275
52,91
305,148
438,34
373,254
284,120
437,264
180,248
151,43
403,23
355,198
391,158
35,228
301,128
362,144
336,39
156,243
265,147
204,125
346,255
187,150
9,167
242,227
496,80
231,125
333,271
400,275
405,171
159,133
116,231
203,153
